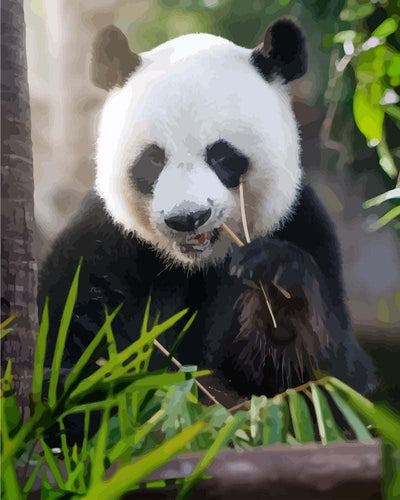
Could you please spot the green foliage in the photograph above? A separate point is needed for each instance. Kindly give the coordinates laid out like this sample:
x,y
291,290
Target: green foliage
x,y
371,50
158,415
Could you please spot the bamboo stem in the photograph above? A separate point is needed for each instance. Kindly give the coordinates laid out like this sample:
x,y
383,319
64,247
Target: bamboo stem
x,y
179,365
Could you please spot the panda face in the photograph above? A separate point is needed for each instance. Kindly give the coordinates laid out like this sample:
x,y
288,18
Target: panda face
x,y
175,140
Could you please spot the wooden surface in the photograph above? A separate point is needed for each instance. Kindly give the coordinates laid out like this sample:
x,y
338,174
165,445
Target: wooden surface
x,y
339,470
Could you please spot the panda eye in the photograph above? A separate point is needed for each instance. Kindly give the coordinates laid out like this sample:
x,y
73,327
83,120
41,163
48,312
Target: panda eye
x,y
156,156
227,162
147,167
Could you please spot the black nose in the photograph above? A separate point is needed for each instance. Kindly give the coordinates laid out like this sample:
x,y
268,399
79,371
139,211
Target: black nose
x,y
188,222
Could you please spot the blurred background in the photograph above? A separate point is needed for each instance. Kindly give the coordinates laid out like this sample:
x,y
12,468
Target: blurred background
x,y
346,105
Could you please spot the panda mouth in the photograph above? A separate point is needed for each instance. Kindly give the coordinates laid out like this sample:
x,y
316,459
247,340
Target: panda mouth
x,y
199,242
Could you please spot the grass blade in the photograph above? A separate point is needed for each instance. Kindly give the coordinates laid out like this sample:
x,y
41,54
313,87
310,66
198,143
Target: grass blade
x,y
62,335
357,426
97,470
385,420
10,412
64,447
89,351
40,353
52,463
178,341
130,442
133,383
301,417
3,330
226,433
33,475
130,475
327,427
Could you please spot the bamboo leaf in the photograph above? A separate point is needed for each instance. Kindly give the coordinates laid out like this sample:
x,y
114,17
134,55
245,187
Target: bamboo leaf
x,y
130,475
40,353
11,414
62,336
359,429
52,463
386,28
388,195
97,469
385,219
301,417
130,442
89,351
327,427
119,366
224,435
133,383
178,340
386,420
33,475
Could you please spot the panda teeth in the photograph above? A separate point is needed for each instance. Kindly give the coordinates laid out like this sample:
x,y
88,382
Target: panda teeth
x,y
198,242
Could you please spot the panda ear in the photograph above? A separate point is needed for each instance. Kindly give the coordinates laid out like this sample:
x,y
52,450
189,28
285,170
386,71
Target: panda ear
x,y
112,59
282,53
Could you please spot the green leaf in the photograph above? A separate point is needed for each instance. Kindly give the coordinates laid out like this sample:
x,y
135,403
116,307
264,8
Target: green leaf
x,y
89,351
97,469
386,28
368,116
144,381
61,337
345,36
393,111
130,475
390,471
385,419
120,365
11,414
357,426
327,427
301,417
385,219
354,11
178,340
52,463
268,420
33,475
40,353
388,195
386,159
130,442
3,330
224,435
10,481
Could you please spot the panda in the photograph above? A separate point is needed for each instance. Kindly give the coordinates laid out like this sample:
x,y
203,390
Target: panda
x,y
184,128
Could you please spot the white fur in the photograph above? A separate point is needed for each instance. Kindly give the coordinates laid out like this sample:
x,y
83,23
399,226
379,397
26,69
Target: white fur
x,y
187,94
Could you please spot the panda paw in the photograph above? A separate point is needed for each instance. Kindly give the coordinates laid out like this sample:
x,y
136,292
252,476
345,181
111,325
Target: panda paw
x,y
260,260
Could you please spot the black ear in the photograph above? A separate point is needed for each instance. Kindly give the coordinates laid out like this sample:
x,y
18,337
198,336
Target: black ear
x,y
282,53
112,60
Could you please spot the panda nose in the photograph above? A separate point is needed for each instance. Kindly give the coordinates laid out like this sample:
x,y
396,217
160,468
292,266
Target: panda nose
x,y
188,222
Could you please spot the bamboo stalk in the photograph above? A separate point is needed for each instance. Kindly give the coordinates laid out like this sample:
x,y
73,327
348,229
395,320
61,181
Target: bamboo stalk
x,y
179,365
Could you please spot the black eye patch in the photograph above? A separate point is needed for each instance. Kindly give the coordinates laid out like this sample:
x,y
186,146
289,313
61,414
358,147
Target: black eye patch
x,y
148,166
227,162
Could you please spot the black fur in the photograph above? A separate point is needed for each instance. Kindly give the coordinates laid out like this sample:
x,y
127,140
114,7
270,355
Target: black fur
x,y
147,168
232,332
283,52
227,162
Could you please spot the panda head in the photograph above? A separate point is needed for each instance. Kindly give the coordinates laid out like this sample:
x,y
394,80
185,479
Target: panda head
x,y
183,124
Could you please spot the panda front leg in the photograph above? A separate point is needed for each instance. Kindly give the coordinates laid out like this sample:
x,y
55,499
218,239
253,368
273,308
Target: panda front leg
x,y
312,331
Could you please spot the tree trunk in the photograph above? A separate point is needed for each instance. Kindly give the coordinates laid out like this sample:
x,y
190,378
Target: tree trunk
x,y
18,293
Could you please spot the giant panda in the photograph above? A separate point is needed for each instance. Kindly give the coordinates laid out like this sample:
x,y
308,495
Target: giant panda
x,y
182,127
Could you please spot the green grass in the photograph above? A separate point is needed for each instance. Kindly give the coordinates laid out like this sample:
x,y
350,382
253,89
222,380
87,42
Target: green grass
x,y
147,417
